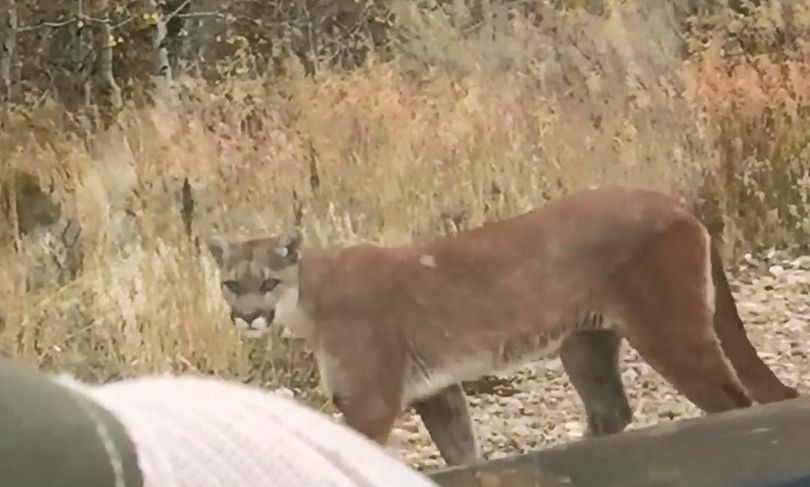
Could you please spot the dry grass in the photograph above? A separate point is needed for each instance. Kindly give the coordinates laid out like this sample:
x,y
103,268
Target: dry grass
x,y
426,143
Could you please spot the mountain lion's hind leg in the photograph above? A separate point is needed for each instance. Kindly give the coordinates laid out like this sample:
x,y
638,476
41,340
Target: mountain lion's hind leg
x,y
591,360
666,297
447,419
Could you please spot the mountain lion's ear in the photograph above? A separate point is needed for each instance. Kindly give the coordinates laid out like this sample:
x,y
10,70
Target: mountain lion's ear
x,y
289,244
219,248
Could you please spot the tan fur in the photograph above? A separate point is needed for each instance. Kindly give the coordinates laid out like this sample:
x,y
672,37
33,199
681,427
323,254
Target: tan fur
x,y
392,326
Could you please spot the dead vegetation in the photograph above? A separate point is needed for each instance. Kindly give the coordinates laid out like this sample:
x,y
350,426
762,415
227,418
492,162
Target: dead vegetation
x,y
473,115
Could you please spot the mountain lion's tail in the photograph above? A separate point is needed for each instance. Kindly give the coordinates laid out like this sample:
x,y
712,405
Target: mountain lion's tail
x,y
761,383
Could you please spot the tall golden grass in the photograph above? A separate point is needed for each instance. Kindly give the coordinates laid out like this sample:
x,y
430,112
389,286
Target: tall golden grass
x,y
452,132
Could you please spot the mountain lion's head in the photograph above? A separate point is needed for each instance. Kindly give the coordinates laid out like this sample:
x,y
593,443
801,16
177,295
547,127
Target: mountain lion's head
x,y
259,278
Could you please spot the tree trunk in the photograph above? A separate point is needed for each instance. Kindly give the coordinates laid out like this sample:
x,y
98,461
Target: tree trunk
x,y
105,69
163,76
9,50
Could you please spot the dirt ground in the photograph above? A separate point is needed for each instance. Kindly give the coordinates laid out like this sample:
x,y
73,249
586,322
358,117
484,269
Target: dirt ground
x,y
540,408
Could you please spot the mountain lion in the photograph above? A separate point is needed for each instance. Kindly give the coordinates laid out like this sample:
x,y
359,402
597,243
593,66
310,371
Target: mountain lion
x,y
404,325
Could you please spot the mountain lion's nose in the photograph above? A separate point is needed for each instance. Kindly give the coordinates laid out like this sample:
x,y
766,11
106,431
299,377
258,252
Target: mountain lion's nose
x,y
250,318
246,317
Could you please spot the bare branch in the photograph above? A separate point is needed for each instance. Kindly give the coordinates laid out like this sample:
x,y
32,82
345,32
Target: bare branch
x,y
42,25
195,15
221,16
123,22
174,13
55,24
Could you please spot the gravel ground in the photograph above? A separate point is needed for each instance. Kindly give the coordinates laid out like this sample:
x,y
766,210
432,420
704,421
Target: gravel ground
x,y
542,409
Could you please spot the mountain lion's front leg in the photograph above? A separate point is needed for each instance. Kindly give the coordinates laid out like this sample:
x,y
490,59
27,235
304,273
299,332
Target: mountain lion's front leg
x,y
367,392
447,419
590,358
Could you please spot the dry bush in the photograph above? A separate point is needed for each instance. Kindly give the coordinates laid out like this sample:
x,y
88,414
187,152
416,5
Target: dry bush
x,y
458,129
750,78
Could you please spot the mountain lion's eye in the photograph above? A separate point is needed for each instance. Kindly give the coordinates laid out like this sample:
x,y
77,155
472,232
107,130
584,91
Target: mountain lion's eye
x,y
269,284
233,286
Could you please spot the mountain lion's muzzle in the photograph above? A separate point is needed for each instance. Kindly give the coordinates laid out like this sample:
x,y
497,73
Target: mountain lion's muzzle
x,y
254,323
